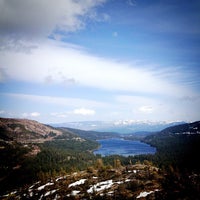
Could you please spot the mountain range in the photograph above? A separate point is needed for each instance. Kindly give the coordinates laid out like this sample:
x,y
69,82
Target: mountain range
x,y
121,126
38,161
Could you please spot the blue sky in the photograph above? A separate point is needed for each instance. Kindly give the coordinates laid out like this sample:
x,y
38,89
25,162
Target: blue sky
x,y
107,60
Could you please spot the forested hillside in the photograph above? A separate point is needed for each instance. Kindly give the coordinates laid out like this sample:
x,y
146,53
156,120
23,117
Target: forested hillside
x,y
92,135
177,154
30,151
41,162
178,145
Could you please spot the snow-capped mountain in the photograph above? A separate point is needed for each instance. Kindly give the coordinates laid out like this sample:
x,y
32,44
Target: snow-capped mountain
x,y
121,126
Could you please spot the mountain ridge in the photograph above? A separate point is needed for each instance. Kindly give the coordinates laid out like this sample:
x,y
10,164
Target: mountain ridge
x,y
26,131
66,168
121,126
187,128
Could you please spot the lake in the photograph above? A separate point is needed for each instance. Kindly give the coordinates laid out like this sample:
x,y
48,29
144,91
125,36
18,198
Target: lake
x,y
115,146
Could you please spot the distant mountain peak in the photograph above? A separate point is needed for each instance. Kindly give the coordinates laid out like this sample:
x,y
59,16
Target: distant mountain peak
x,y
120,126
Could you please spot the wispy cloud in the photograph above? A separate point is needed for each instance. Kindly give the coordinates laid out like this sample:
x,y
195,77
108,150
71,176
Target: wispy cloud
x,y
131,2
142,104
146,109
83,111
60,114
62,64
34,52
154,107
77,111
55,108
59,101
33,114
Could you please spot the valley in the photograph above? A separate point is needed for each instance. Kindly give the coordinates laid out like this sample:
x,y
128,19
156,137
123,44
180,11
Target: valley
x,y
38,161
119,146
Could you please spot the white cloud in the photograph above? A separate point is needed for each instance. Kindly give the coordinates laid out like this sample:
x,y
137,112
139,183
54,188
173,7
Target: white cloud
x,y
146,109
33,18
66,64
83,111
138,101
57,101
99,17
60,115
33,114
155,107
142,105
78,111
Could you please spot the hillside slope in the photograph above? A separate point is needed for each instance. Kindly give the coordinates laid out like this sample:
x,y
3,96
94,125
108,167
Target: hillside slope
x,y
41,162
177,153
178,145
92,135
26,131
188,128
29,150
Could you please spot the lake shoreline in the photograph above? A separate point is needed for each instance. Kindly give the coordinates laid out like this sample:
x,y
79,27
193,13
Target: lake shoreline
x,y
123,147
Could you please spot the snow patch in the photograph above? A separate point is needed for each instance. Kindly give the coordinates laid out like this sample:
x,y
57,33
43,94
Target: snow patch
x,y
34,185
75,192
60,178
144,194
80,182
119,182
43,186
110,193
12,193
49,193
100,186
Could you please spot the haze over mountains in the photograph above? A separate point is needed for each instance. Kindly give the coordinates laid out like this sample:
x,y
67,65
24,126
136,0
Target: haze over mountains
x,y
121,126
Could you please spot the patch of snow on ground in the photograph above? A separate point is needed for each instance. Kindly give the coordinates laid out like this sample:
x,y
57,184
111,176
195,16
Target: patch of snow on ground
x,y
60,178
6,195
100,186
80,182
34,185
50,192
31,194
75,192
119,182
144,194
56,197
43,186
110,193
